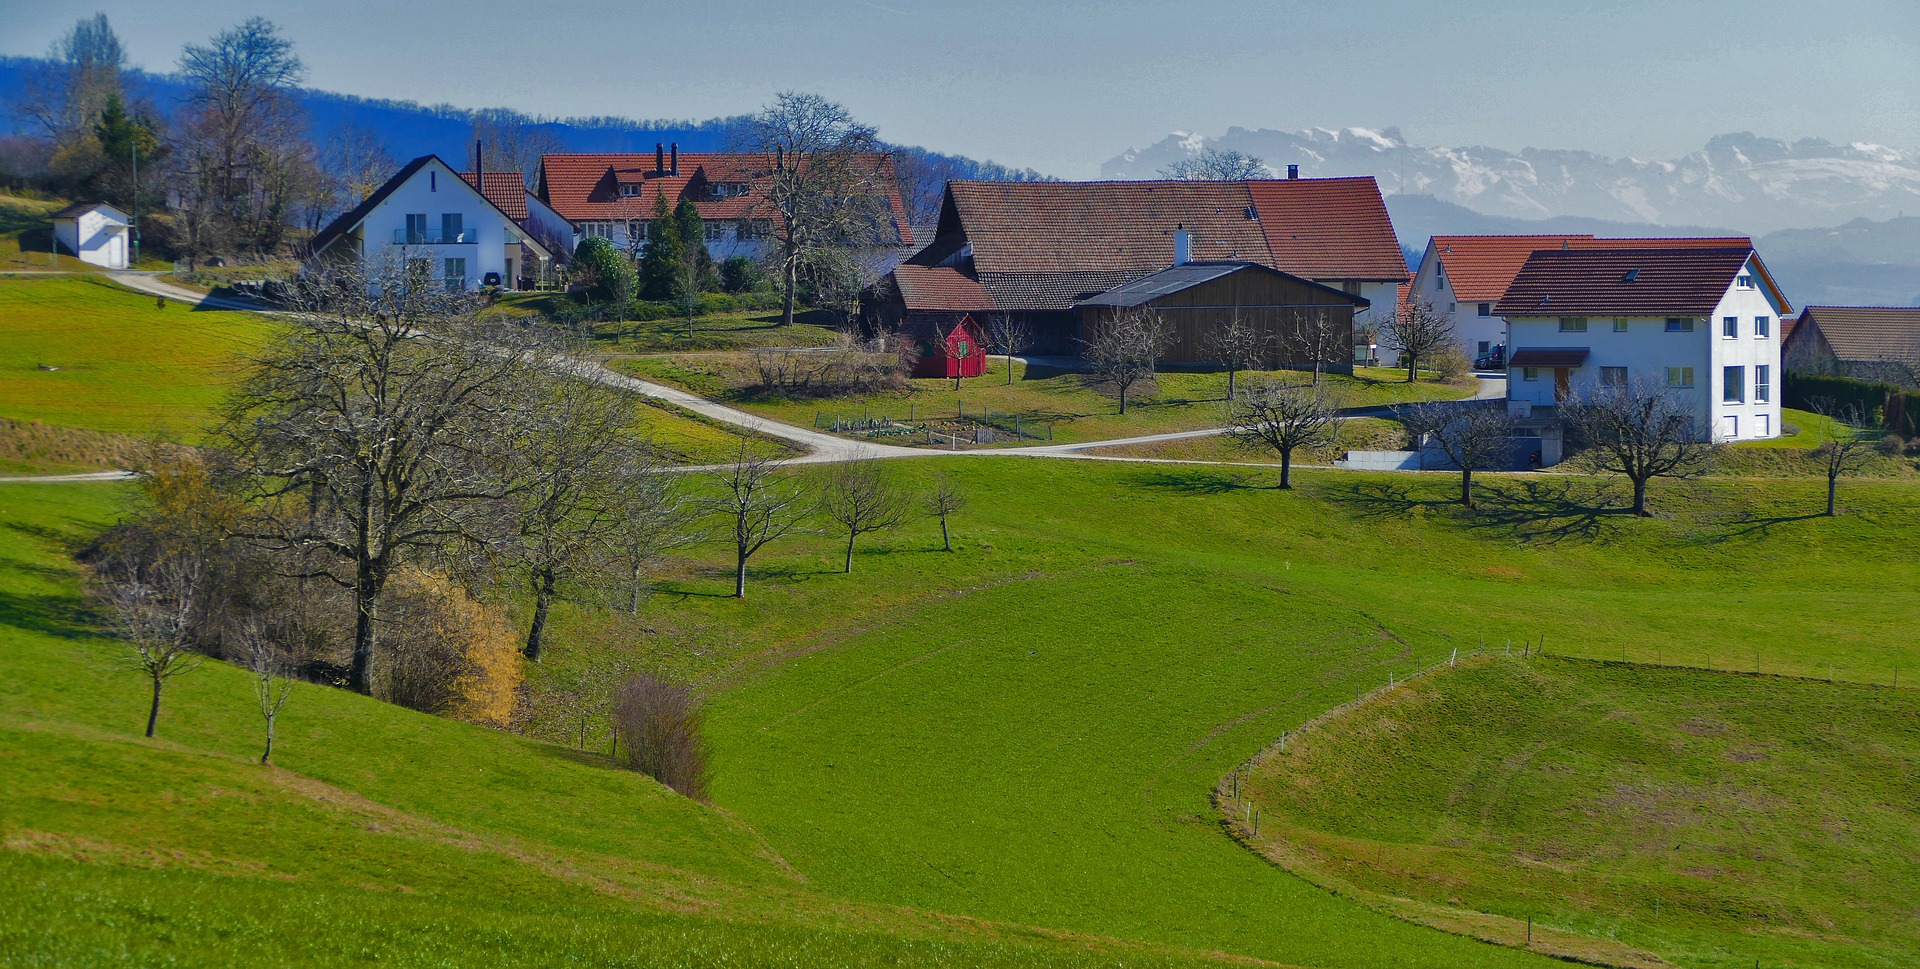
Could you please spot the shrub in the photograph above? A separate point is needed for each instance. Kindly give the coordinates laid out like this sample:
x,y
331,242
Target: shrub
x,y
1451,364
738,274
448,653
658,724
848,367
607,274
1892,445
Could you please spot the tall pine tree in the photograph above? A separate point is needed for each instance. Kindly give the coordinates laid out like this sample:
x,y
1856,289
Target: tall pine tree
x,y
660,265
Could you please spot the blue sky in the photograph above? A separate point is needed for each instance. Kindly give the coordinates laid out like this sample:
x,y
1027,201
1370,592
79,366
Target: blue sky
x,y
1062,86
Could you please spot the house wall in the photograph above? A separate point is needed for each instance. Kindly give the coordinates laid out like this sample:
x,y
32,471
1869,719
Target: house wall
x,y
726,246
94,238
1646,349
1279,308
434,191
1473,333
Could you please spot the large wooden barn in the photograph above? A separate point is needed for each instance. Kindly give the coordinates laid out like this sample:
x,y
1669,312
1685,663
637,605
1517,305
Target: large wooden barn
x,y
1296,319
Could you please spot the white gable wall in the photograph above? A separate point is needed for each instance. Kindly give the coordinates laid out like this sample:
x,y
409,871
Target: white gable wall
x,y
97,237
436,191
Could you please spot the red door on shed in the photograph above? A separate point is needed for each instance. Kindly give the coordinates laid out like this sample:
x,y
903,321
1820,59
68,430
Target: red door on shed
x,y
959,352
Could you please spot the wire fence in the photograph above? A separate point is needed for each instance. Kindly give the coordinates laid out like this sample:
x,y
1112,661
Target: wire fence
x,y
962,425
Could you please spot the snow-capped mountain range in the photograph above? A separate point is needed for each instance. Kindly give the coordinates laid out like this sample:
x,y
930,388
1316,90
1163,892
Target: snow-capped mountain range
x,y
1740,182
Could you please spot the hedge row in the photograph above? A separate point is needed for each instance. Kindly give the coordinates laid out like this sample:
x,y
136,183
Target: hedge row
x,y
1895,409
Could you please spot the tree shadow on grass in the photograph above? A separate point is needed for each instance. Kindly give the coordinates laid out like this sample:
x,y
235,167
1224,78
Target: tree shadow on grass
x,y
574,755
1384,499
1550,511
1749,524
1202,482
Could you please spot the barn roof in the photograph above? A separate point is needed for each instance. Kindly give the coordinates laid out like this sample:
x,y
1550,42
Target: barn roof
x,y
1628,282
1480,268
1175,279
942,289
1329,228
1864,334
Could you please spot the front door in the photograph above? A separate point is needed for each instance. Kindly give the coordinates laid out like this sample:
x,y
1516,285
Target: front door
x,y
1562,386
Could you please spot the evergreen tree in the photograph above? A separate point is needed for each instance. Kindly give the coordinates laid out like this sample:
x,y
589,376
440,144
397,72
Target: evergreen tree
x,y
121,137
693,240
660,266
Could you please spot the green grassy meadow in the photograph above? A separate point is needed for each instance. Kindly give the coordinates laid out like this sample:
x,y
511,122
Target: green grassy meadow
x,y
26,233
1042,396
1633,813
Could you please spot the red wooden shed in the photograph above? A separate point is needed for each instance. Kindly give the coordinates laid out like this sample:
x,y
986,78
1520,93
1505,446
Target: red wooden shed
x,y
943,350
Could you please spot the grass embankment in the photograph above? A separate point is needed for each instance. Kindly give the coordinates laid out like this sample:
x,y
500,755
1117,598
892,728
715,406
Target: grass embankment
x,y
1029,729
380,835
712,332
1635,814
1074,406
26,235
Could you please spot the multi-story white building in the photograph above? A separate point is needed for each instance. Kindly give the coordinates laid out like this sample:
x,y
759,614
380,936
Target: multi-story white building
x,y
1462,277
1702,322
437,222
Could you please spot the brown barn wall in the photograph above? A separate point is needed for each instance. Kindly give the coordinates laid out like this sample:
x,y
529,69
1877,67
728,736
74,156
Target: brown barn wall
x,y
1277,306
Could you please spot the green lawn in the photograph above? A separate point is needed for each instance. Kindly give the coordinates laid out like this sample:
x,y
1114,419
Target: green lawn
x,y
738,330
1633,813
1042,397
26,232
123,363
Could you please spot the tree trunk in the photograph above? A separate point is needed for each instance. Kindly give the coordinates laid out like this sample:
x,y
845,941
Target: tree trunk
x,y
1640,497
1833,483
542,602
1009,369
633,592
1466,487
740,577
267,754
851,535
365,633
153,712
1229,383
1286,468
791,272
945,538
1123,399
1413,369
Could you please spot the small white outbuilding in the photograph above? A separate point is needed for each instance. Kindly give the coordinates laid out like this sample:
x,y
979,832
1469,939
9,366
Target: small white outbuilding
x,y
95,233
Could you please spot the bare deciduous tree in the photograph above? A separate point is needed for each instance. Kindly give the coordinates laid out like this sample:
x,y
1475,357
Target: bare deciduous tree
x,y
1472,436
1325,337
271,687
1218,165
654,517
85,72
825,189
367,439
155,619
1011,336
1847,451
659,725
759,504
861,496
1284,417
944,501
1641,430
242,139
1125,349
1240,346
1418,333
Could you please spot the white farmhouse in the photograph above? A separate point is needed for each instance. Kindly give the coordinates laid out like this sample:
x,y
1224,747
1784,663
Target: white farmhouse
x,y
434,219
94,232
1704,322
1462,277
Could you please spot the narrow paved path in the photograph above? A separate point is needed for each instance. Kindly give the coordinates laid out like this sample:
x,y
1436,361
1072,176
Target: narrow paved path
x,y
84,476
822,448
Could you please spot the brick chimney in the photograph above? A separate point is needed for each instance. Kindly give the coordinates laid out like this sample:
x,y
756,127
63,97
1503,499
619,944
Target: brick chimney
x,y
1293,171
659,158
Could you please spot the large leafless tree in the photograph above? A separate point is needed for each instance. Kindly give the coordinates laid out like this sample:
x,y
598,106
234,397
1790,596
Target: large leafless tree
x,y
1125,349
824,189
863,496
1418,333
242,140
374,429
1641,430
1218,165
1472,435
1282,418
67,98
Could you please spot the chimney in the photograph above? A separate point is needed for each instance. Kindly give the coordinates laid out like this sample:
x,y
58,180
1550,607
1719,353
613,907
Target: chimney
x,y
673,167
1293,171
1182,247
659,158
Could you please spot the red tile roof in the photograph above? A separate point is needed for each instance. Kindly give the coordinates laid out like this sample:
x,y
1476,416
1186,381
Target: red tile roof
x,y
587,188
932,288
506,190
1626,282
1479,268
1329,228
1865,334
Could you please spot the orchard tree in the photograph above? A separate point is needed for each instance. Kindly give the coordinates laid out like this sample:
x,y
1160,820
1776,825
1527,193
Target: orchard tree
x,y
1418,333
1283,418
757,504
1239,345
1641,430
1217,165
1847,450
861,496
1471,435
1125,349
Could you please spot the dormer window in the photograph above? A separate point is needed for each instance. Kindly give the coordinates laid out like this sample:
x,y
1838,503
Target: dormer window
x,y
1743,281
722,190
630,191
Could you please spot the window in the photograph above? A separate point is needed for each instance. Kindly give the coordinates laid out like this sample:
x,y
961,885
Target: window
x,y
1730,426
416,228
1679,324
1529,373
637,230
1733,385
751,229
456,275
433,180
1729,327
1743,281
1680,377
1486,309
1573,324
452,227
716,231
1613,376
1453,307
1619,324
630,191
1762,327
1763,384
1485,345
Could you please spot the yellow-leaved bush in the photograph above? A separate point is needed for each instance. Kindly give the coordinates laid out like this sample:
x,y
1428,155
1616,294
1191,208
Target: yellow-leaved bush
x,y
448,653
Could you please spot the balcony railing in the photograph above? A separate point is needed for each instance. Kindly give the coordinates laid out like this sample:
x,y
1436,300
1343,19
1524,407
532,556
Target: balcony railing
x,y
434,237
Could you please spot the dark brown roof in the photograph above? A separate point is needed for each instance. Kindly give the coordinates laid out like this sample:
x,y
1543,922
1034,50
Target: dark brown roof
x,y
1123,227
1479,268
1176,279
1048,292
1628,282
506,190
1864,334
932,288
1548,357
347,220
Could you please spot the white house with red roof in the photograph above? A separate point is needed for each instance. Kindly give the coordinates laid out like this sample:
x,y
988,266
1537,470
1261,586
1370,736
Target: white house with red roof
x,y
615,195
437,222
1462,277
1703,322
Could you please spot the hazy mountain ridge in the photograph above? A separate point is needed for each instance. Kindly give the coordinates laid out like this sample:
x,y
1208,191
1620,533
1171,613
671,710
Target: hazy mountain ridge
x,y
1742,180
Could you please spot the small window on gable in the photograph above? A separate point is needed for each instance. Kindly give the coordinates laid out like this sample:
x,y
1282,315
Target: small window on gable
x,y
1486,309
1743,281
433,181
1762,327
